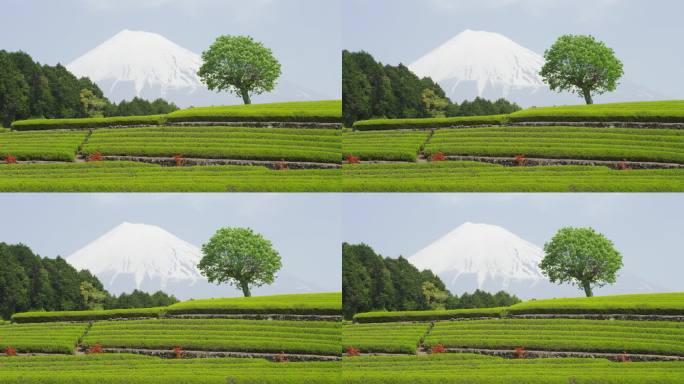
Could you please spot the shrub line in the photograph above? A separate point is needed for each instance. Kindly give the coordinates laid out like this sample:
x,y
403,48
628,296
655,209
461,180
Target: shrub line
x,y
511,354
163,353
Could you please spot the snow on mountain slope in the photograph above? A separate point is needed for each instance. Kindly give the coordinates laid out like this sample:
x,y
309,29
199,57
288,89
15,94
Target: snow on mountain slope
x,y
486,251
148,65
146,59
146,252
486,58
490,65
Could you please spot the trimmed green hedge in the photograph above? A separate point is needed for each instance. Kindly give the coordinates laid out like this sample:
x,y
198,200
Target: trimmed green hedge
x,y
650,111
326,111
299,304
427,123
43,317
638,304
85,123
442,314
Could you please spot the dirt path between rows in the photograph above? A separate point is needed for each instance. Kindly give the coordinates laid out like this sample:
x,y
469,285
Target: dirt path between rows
x,y
165,353
513,354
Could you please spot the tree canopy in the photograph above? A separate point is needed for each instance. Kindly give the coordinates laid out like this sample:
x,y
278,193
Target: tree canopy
x,y
29,282
239,257
240,65
582,257
373,90
582,65
371,282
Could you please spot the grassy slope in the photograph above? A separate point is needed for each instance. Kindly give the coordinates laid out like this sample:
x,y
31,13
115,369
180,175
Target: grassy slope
x,y
385,337
315,303
658,304
63,337
444,314
49,145
383,145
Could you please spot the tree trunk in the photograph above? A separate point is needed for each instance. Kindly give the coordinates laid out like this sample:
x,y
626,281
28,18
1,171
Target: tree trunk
x,y
245,96
587,96
587,288
245,288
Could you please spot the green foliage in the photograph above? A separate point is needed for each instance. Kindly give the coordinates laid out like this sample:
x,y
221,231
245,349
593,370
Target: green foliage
x,y
325,111
100,314
317,145
239,257
582,257
93,106
49,145
671,111
239,65
630,144
297,304
427,315
13,91
371,282
126,369
140,299
617,336
384,338
428,123
86,123
93,298
274,336
467,368
41,338
140,107
383,145
111,176
582,65
463,176
639,304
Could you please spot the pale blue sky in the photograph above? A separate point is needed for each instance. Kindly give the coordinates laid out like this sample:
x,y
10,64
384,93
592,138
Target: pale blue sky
x,y
304,228
304,34
647,229
646,35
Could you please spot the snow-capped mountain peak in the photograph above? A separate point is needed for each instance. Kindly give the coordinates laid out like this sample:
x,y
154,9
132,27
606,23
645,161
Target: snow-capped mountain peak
x,y
486,58
145,59
146,252
488,252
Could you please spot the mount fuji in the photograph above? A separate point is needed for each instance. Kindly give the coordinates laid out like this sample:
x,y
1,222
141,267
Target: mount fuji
x,y
146,257
490,65
489,257
148,65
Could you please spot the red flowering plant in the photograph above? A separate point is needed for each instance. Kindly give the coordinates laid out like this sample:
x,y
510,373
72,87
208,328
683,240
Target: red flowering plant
x,y
179,159
623,357
351,351
281,165
9,351
97,156
281,358
520,353
97,348
521,160
623,165
438,348
351,159
438,156
9,159
178,352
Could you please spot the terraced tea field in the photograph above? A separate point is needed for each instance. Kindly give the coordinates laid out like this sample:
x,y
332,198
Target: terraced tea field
x,y
637,304
275,336
48,145
671,111
296,304
384,145
42,338
325,111
125,369
617,336
465,176
384,337
439,314
312,145
465,368
630,144
113,176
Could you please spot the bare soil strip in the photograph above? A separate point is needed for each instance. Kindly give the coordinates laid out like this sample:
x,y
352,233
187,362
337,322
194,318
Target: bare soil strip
x,y
170,161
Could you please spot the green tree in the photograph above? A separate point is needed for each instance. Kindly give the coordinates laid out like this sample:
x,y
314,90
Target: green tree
x,y
582,257
92,105
434,105
14,91
93,298
582,65
239,257
239,65
435,297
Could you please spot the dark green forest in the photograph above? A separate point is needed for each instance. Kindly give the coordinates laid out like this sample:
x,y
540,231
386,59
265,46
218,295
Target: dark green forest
x,y
29,282
31,90
373,90
371,282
